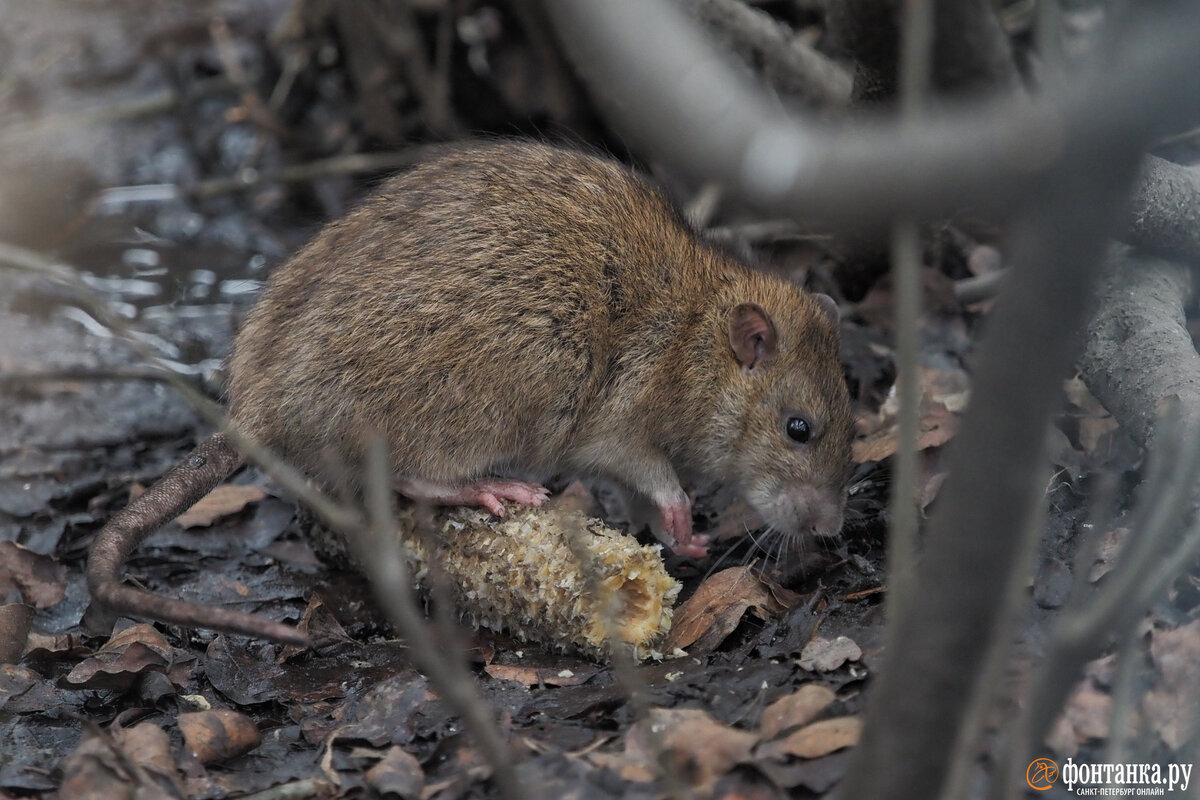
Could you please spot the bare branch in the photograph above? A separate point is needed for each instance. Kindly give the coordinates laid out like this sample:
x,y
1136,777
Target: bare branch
x,y
791,67
980,541
665,87
1139,353
1164,213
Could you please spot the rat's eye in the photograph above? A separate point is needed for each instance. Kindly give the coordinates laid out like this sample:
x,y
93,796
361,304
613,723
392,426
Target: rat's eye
x,y
798,429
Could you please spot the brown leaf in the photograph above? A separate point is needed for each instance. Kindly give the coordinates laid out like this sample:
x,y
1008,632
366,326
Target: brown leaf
x,y
944,394
397,773
1085,718
794,710
222,501
826,655
41,580
1170,705
150,746
699,748
535,676
121,764
123,658
1106,554
98,769
816,740
717,607
218,735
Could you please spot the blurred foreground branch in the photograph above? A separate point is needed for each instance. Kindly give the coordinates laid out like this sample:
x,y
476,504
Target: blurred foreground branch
x,y
665,86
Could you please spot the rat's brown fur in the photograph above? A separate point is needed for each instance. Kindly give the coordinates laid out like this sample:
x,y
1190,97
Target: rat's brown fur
x,y
521,310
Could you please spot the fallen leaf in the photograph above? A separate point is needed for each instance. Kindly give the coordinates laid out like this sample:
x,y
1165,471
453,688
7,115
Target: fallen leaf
x,y
150,747
218,735
121,764
536,676
124,657
699,748
717,607
1106,554
1170,705
397,773
794,710
1084,718
826,655
227,499
816,740
41,581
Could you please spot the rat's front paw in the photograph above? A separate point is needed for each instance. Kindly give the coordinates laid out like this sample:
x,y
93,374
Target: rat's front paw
x,y
676,511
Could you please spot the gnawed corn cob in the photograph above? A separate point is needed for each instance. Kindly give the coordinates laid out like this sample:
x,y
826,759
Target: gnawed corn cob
x,y
519,574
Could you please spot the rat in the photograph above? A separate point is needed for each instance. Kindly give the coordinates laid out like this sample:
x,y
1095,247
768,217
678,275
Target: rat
x,y
505,312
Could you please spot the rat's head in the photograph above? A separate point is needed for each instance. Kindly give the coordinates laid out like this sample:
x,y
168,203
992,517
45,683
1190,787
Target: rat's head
x,y
787,424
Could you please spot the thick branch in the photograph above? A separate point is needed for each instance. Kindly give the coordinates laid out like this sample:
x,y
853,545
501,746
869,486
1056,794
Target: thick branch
x,y
1164,211
1139,354
980,539
663,85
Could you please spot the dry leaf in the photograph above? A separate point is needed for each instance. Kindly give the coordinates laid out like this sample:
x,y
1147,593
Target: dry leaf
x,y
826,655
122,659
41,580
816,740
700,748
535,676
717,607
150,747
1085,718
222,501
1169,707
1106,553
118,765
796,709
218,735
397,773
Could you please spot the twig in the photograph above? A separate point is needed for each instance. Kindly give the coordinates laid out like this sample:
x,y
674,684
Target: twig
x,y
979,288
792,67
311,170
624,667
295,790
915,54
151,104
381,555
251,101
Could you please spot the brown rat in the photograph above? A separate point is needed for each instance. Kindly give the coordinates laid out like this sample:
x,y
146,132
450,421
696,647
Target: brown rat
x,y
506,312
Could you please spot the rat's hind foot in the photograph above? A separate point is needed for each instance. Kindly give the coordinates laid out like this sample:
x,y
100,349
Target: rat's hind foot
x,y
489,493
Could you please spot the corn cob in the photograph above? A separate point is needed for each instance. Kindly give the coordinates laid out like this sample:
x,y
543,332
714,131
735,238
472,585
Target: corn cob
x,y
521,574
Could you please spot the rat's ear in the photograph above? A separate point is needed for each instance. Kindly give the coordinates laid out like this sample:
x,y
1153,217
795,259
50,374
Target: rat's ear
x,y
751,335
829,307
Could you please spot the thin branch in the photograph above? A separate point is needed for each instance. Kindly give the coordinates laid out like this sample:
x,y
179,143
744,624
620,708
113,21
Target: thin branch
x,y
380,553
791,67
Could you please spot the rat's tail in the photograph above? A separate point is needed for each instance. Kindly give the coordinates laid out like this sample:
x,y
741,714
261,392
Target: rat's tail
x,y
210,463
